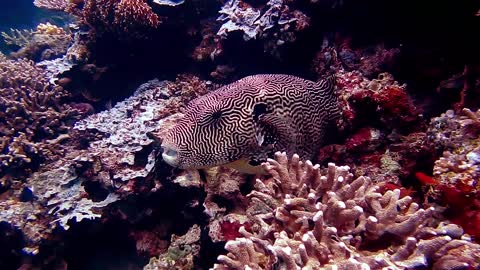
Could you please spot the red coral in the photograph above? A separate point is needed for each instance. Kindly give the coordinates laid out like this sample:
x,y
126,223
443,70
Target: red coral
x,y
395,105
230,229
392,186
425,179
463,208
365,139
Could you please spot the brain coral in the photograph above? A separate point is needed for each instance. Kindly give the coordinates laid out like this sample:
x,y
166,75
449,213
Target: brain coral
x,y
32,116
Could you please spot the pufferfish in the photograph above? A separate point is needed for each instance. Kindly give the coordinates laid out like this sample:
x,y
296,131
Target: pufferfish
x,y
242,124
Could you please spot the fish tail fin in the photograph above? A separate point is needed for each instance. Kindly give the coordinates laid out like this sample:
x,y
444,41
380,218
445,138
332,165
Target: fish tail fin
x,y
326,90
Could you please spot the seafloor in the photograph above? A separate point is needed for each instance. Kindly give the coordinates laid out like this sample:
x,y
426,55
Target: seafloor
x,y
87,94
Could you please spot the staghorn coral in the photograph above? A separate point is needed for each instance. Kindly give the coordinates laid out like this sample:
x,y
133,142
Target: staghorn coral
x,y
128,19
276,23
305,219
48,41
17,37
32,114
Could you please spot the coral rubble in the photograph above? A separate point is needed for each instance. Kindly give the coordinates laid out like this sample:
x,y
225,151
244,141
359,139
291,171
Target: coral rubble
x,y
305,219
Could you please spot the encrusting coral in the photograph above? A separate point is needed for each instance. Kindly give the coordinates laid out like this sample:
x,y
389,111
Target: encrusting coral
x,y
304,219
33,114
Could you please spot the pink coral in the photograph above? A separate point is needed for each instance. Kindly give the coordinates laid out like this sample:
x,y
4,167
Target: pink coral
x,y
308,219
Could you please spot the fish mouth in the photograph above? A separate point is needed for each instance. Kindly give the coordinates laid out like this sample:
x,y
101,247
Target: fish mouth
x,y
170,155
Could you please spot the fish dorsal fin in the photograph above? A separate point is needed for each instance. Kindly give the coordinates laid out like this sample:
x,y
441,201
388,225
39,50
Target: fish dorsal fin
x,y
271,128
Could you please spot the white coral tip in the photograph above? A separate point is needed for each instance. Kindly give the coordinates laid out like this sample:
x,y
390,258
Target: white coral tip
x,y
318,216
287,250
372,219
305,237
358,209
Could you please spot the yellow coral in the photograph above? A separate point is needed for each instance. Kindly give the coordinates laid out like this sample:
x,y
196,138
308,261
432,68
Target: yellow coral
x,y
49,29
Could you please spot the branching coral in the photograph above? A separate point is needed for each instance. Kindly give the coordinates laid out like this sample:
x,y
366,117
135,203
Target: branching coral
x,y
126,18
17,37
304,219
48,41
32,112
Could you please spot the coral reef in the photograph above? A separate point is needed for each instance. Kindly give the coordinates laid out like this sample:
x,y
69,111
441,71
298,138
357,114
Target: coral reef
x,y
457,172
181,253
58,196
109,150
120,134
340,55
33,117
305,219
128,19
276,23
383,129
45,43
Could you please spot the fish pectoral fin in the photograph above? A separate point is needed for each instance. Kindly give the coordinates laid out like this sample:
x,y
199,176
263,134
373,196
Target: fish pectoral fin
x,y
273,129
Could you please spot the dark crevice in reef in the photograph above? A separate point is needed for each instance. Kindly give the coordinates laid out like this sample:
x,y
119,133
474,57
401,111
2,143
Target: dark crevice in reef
x,y
11,244
97,245
110,242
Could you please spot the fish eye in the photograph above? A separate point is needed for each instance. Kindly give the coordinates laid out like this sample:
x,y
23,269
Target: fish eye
x,y
216,115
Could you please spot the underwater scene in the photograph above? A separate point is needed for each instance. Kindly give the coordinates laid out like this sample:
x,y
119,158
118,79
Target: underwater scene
x,y
239,134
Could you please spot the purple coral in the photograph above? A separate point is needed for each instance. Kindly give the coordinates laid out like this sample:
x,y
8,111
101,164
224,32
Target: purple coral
x,y
306,218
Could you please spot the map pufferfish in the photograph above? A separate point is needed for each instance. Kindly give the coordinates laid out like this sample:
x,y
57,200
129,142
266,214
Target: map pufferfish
x,y
242,124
